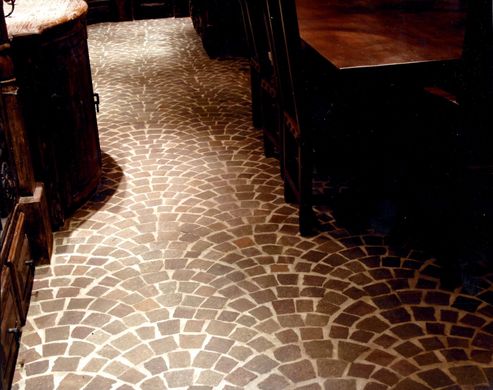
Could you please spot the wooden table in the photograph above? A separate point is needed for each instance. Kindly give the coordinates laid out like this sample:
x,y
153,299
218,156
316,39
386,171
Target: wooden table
x,y
378,55
414,38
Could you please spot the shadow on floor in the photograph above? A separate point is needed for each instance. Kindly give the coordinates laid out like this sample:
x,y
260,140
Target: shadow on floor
x,y
412,181
110,183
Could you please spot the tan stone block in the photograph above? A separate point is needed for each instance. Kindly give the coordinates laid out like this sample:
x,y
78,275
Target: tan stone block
x,y
299,371
66,364
73,381
139,354
180,378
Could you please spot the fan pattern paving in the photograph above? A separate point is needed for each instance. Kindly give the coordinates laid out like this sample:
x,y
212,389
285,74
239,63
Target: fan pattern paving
x,y
185,269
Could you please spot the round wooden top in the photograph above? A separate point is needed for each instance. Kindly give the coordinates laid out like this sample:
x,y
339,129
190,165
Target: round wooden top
x,y
35,16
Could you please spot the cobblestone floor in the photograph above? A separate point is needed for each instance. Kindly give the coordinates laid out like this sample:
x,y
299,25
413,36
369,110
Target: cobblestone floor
x,y
185,270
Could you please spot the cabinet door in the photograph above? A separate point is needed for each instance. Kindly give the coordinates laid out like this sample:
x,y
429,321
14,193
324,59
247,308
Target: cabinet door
x,y
21,267
71,116
10,329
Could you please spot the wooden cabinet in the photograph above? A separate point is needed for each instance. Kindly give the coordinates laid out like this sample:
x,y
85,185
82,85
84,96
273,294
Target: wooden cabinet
x,y
9,314
10,328
25,230
17,262
16,274
25,241
54,77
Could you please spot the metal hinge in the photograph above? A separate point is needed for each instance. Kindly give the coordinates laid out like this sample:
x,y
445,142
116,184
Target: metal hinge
x,y
17,334
96,101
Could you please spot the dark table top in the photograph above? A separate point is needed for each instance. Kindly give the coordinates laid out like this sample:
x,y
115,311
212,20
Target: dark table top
x,y
371,33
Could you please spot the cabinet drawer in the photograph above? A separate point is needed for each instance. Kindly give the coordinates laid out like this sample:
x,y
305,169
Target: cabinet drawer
x,y
10,328
21,267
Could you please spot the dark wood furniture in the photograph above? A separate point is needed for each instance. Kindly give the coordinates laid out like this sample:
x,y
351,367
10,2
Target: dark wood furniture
x,y
8,178
264,91
109,10
19,254
364,49
295,136
52,64
25,231
181,8
124,10
9,329
413,36
475,88
145,9
469,95
219,25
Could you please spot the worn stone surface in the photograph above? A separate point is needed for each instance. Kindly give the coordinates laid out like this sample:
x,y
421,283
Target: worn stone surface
x,y
185,269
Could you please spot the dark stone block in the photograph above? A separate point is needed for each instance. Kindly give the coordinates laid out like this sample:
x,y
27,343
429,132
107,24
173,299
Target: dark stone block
x,y
377,289
426,284
455,355
391,261
437,298
467,304
410,297
398,315
436,378
387,301
423,313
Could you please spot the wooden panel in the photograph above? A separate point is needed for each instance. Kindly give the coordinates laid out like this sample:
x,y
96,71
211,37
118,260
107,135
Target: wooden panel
x,y
21,267
8,177
9,328
38,224
17,137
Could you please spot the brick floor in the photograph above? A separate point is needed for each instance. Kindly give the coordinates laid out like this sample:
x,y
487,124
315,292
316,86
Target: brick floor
x,y
185,269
